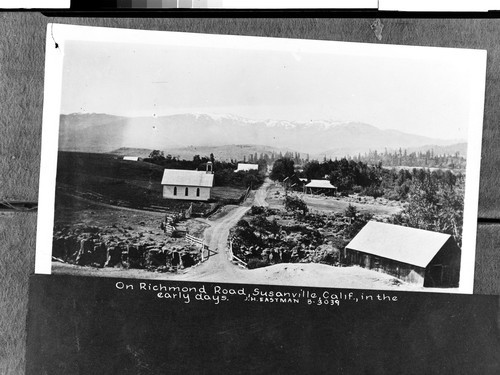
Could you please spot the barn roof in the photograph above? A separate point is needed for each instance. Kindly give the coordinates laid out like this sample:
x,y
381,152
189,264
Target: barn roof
x,y
320,184
407,245
187,178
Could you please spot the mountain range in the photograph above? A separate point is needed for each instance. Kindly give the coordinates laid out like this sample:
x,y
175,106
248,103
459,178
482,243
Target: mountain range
x,y
202,133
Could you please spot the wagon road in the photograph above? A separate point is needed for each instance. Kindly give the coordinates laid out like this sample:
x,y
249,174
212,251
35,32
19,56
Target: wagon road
x,y
218,267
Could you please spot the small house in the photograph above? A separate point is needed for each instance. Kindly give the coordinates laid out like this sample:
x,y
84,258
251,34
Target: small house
x,y
131,158
188,185
320,187
417,256
247,167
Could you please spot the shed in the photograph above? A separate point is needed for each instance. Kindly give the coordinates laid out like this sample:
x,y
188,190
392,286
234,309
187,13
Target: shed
x,y
427,258
319,187
247,167
131,158
188,185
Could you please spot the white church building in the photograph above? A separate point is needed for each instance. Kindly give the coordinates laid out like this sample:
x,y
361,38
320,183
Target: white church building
x,y
188,185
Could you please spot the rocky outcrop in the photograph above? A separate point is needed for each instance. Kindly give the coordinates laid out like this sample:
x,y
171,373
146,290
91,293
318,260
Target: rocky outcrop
x,y
90,247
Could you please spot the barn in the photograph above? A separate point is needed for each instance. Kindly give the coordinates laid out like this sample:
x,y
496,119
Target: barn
x,y
417,256
188,185
320,187
247,167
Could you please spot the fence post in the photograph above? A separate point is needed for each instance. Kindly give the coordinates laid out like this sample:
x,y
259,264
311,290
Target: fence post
x,y
230,250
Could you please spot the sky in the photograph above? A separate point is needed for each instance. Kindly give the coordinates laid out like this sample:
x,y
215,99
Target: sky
x,y
429,97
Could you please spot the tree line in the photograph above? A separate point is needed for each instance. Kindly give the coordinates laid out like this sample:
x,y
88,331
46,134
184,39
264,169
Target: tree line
x,y
224,172
434,199
427,159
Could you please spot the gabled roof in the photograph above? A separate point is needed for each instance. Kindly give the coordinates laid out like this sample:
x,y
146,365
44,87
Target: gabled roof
x,y
187,178
408,245
320,184
247,167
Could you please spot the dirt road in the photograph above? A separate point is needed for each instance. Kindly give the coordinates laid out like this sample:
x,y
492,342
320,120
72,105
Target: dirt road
x,y
218,267
261,194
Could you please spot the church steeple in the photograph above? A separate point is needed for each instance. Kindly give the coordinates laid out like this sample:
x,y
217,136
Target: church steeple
x,y
210,167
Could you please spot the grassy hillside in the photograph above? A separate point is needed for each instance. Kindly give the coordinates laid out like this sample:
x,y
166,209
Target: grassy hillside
x,y
108,179
111,180
75,164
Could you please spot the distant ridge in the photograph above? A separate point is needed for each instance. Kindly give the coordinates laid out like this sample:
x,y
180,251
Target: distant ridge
x,y
106,133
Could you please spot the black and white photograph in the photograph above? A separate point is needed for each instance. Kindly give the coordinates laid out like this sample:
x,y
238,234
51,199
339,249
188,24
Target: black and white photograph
x,y
252,160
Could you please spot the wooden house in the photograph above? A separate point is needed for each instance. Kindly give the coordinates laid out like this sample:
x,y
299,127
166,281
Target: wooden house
x,y
423,257
247,167
320,187
188,185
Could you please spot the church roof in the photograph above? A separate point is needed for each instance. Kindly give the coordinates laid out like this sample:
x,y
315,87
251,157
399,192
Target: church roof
x,y
187,178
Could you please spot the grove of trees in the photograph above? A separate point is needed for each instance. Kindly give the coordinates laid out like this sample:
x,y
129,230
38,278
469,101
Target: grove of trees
x,y
402,157
224,172
434,199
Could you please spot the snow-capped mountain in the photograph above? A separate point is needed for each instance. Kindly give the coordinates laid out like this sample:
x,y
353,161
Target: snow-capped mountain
x,y
104,133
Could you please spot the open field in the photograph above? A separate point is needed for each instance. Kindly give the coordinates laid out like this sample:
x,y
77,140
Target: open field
x,y
331,204
226,193
120,222
111,180
96,234
325,204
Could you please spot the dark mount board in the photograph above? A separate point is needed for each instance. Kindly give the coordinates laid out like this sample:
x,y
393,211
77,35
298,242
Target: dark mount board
x,y
82,325
142,335
107,10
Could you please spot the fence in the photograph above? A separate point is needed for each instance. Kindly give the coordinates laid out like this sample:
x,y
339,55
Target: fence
x,y
232,257
244,197
203,247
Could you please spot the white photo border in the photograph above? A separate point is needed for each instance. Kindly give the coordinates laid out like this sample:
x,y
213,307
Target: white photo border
x,y
59,34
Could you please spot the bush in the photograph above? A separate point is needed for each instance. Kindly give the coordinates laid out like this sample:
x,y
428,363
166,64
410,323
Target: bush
x,y
373,191
261,223
243,224
296,204
357,189
247,236
257,210
391,195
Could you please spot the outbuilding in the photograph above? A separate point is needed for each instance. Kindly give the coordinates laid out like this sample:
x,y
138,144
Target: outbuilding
x,y
320,187
132,158
247,167
426,258
188,185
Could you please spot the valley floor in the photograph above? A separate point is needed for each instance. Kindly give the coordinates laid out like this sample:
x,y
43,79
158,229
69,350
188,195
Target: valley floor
x,y
218,268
